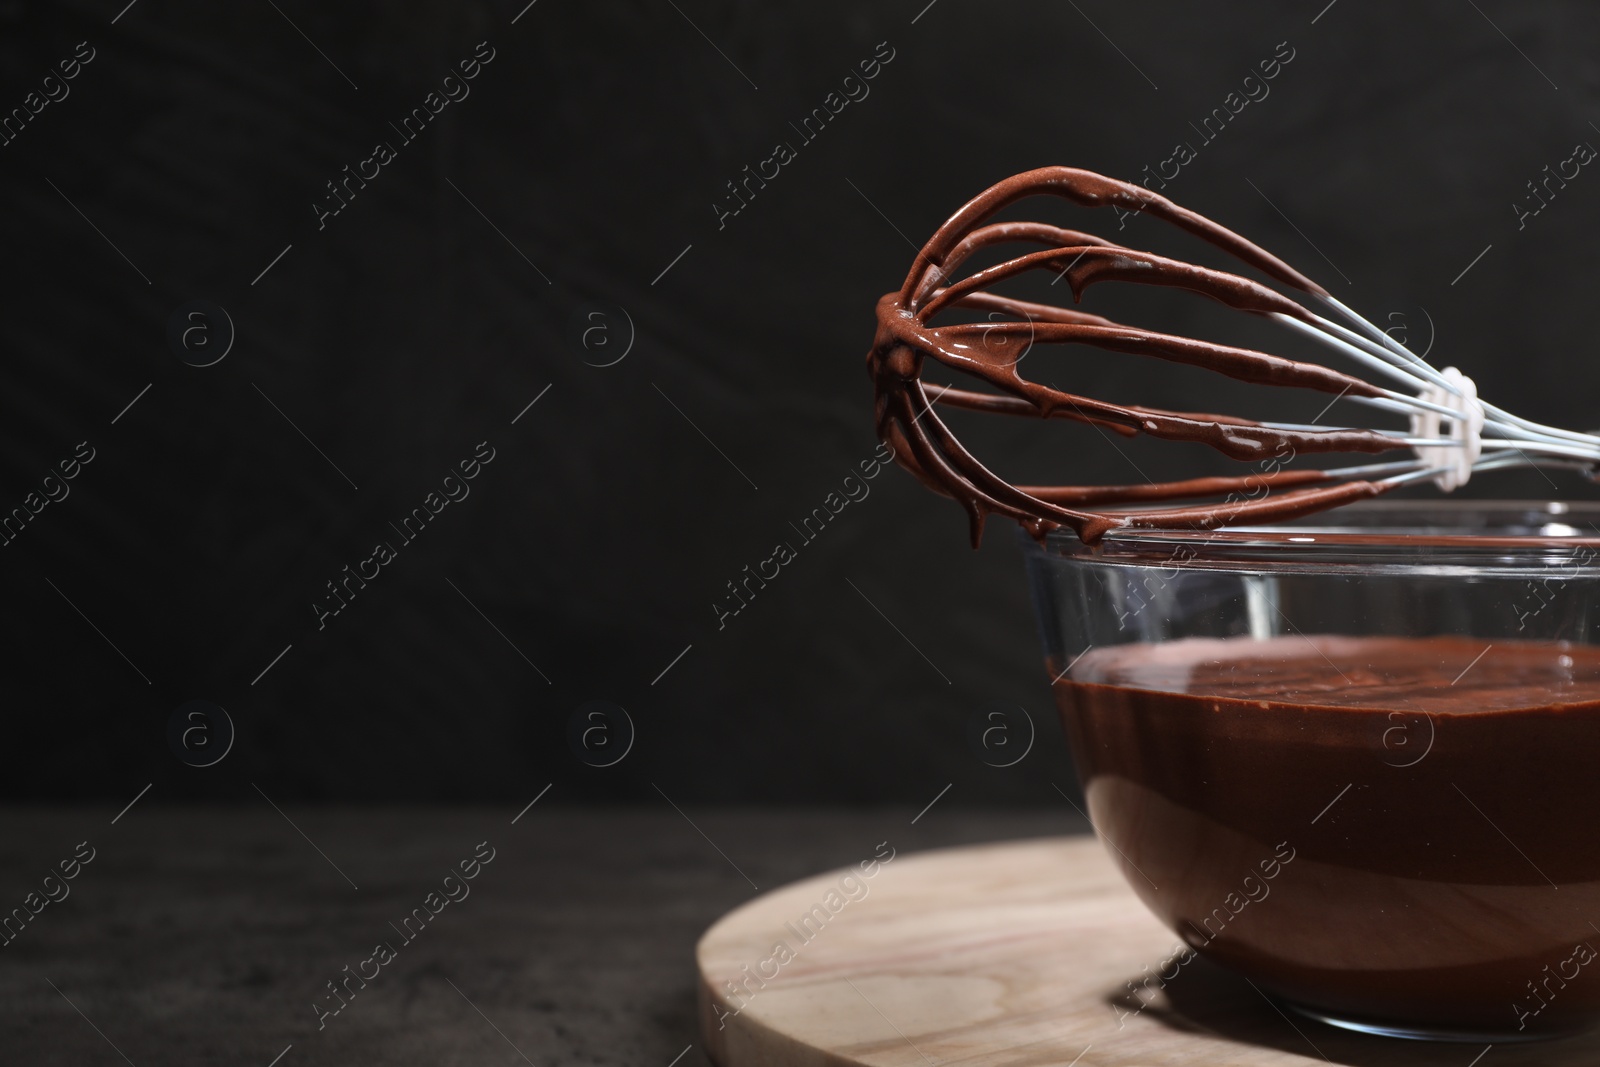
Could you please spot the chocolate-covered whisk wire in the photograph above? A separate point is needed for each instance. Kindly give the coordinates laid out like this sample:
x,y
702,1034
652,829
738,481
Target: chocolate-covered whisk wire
x,y
1452,433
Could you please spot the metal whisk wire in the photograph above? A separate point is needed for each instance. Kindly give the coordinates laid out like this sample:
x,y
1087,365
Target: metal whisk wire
x,y
1453,434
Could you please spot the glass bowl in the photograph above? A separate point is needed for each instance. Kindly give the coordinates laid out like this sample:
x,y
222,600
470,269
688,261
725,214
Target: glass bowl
x,y
1356,758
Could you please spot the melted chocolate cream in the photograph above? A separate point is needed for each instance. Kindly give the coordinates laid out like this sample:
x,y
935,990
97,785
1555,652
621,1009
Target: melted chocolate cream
x,y
1373,827
923,443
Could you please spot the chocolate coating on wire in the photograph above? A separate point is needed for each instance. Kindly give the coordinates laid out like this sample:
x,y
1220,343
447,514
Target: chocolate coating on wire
x,y
905,405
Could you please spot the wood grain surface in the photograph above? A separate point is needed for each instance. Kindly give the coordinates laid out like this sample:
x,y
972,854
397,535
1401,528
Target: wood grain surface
x,y
1016,954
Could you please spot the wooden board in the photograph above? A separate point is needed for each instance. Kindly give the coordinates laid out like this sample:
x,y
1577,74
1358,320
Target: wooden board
x,y
1014,954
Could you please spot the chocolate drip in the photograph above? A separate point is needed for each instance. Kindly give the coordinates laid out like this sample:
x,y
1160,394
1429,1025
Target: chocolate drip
x,y
991,351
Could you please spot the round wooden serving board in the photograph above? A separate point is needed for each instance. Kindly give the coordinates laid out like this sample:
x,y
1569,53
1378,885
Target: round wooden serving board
x,y
1014,954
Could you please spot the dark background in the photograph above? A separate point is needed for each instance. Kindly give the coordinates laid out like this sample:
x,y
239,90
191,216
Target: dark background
x,y
451,292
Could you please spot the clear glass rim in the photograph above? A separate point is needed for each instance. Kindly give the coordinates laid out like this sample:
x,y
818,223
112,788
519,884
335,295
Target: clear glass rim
x,y
1465,536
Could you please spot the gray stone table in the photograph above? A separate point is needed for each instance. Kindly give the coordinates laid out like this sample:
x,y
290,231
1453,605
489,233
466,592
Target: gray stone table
x,y
199,936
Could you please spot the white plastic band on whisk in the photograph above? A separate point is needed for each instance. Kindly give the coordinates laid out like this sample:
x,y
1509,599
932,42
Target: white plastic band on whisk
x,y
1466,427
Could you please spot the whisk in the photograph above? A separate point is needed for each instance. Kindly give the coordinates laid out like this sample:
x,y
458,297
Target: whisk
x,y
1452,433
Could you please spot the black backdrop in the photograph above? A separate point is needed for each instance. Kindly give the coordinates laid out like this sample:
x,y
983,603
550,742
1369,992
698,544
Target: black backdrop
x,y
576,189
